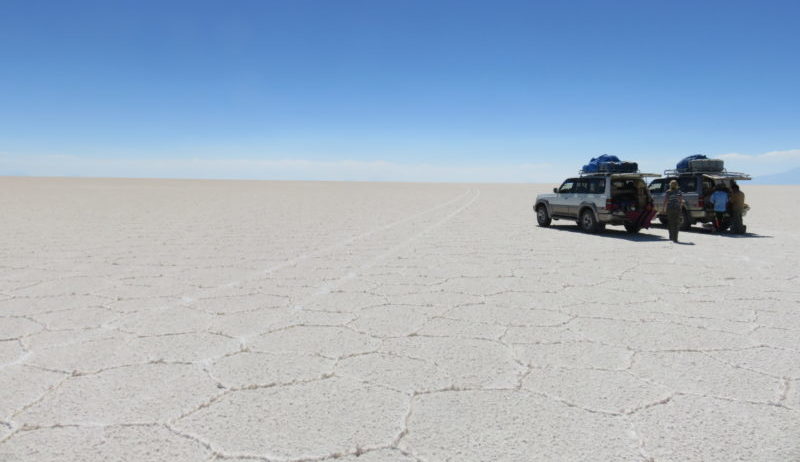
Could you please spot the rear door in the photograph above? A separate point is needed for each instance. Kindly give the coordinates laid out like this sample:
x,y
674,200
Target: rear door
x,y
657,188
581,195
588,190
597,192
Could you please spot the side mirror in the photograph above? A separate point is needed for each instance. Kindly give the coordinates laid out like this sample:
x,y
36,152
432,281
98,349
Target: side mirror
x,y
555,190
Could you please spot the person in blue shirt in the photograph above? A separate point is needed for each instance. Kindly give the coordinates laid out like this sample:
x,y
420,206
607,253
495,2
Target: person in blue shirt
x,y
720,201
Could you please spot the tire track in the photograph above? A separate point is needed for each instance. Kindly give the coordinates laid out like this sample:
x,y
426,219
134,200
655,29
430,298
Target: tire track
x,y
208,293
328,287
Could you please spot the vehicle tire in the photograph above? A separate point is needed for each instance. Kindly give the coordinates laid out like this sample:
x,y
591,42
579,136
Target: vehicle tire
x,y
663,221
543,217
686,221
588,222
632,228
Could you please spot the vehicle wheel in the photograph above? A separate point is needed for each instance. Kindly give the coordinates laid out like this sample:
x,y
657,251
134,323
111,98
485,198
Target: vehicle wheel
x,y
686,221
588,223
542,216
632,228
663,221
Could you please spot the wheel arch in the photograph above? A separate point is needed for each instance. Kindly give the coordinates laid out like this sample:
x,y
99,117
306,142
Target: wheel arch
x,y
590,206
543,203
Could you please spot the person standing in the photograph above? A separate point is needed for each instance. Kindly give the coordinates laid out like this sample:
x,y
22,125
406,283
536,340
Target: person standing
x,y
737,207
673,202
720,201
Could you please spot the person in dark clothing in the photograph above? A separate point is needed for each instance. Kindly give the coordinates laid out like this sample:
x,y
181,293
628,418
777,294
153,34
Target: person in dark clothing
x,y
673,202
736,205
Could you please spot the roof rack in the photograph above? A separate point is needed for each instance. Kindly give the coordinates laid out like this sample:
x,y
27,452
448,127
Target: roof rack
x,y
583,174
729,175
718,174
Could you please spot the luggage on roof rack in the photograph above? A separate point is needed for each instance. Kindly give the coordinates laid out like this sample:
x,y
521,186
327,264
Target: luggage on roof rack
x,y
685,164
608,163
619,167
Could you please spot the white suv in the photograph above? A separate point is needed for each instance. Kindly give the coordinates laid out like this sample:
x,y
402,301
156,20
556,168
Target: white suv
x,y
599,199
696,186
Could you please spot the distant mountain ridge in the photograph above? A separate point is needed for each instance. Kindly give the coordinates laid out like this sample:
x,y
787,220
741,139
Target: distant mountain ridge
x,y
790,177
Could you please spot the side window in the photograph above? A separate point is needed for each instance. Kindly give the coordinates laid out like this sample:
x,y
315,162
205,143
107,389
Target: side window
x,y
657,186
688,185
708,186
582,186
597,186
567,187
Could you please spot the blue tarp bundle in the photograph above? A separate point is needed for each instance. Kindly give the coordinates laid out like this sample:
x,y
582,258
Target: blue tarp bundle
x,y
594,165
609,163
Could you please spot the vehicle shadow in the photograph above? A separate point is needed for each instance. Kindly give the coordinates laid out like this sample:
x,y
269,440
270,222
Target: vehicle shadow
x,y
611,233
699,230
743,236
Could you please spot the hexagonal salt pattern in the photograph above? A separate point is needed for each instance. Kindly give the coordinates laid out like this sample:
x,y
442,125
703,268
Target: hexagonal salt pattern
x,y
10,352
713,429
140,394
505,425
299,321
620,393
347,416
249,369
21,386
113,443
14,327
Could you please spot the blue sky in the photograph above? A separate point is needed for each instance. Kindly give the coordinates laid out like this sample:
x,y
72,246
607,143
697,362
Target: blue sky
x,y
394,90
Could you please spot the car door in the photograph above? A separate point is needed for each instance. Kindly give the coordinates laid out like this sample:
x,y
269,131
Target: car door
x,y
597,192
564,194
580,196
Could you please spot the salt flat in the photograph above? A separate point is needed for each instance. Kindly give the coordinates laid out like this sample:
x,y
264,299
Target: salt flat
x,y
161,320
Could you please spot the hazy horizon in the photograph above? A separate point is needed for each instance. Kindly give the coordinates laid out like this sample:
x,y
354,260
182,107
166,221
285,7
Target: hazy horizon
x,y
301,170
